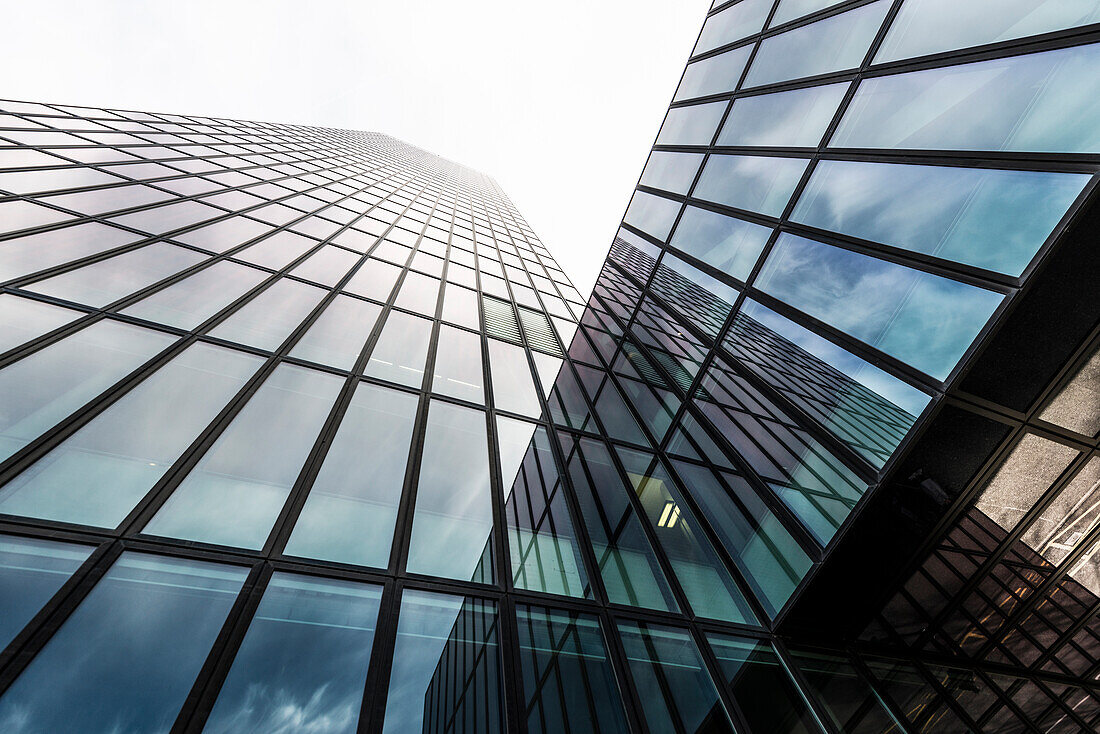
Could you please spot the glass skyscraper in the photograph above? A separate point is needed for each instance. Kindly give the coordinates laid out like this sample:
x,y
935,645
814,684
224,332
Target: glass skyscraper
x,y
303,430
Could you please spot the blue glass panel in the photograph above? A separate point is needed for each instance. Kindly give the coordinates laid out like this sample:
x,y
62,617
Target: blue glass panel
x,y
127,657
797,118
446,667
920,318
303,662
31,571
671,171
932,26
568,682
713,75
653,215
691,125
991,219
731,245
754,183
1042,102
351,509
836,43
733,24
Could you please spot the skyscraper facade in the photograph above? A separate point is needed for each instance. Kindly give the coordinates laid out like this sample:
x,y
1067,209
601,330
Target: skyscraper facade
x,y
303,430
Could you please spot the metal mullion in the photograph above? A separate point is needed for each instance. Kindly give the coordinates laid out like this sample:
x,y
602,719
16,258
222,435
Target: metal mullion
x,y
814,704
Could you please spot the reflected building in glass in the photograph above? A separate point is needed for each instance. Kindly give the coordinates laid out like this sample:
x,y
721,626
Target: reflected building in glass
x,y
303,430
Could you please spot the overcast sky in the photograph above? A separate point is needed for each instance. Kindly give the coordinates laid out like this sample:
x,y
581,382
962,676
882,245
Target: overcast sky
x,y
560,101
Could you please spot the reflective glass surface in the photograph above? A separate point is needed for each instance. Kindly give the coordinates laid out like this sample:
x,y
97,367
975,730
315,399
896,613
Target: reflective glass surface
x,y
671,171
454,513
196,298
337,336
31,571
568,683
920,318
22,319
351,509
303,661
733,24
401,349
988,218
513,385
754,183
267,320
833,44
653,215
797,118
731,245
446,667
458,365
691,125
43,388
125,659
1003,104
98,474
713,75
235,492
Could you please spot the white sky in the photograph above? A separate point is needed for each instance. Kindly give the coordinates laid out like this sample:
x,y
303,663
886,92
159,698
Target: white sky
x,y
559,101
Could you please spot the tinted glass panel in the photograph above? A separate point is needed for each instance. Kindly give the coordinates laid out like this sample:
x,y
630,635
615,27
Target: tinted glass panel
x,y
446,667
1004,104
401,350
789,119
32,571
22,319
97,475
458,365
303,662
920,318
671,171
267,320
337,336
988,218
731,245
733,24
352,507
749,182
833,44
196,298
653,215
848,700
513,386
126,658
713,75
454,513
237,489
568,682
676,692
375,279
693,125
45,387
327,266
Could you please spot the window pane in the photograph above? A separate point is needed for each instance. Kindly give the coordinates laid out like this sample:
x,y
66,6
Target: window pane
x,y
693,125
458,365
350,513
237,489
126,658
41,389
196,298
545,553
32,571
931,26
303,663
337,336
987,218
671,171
399,354
920,318
731,245
707,584
267,320
513,386
97,475
851,704
675,690
454,511
713,75
276,251
446,666
375,279
568,683
764,691
834,44
418,293
1043,102
653,215
29,254
109,280
460,307
627,563
733,24
326,266
791,9
22,319
788,119
750,182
